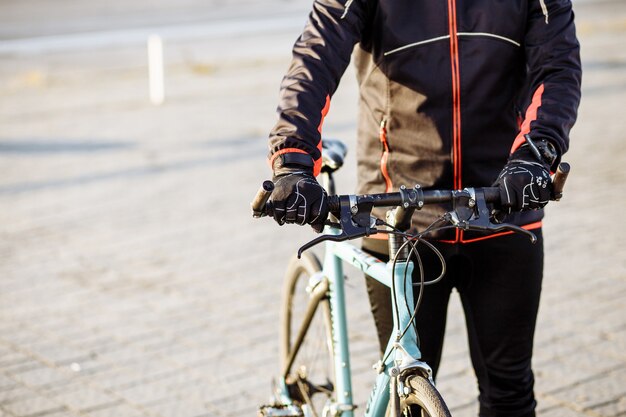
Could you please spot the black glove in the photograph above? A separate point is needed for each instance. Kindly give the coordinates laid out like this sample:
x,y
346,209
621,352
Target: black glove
x,y
298,198
525,182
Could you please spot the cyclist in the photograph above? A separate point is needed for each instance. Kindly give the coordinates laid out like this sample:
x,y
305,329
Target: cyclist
x,y
452,94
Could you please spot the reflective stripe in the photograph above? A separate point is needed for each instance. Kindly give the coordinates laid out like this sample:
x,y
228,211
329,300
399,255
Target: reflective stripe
x,y
490,35
346,8
544,9
441,38
393,51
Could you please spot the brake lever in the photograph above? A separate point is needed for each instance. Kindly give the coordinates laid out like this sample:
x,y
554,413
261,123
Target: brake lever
x,y
480,219
356,222
333,238
504,227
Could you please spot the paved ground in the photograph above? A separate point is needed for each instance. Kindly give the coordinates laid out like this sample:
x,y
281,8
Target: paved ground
x,y
133,281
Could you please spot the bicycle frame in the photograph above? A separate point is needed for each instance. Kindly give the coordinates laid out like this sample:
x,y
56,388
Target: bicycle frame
x,y
400,355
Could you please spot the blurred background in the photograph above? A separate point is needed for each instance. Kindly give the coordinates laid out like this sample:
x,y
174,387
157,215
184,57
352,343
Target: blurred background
x,y
133,280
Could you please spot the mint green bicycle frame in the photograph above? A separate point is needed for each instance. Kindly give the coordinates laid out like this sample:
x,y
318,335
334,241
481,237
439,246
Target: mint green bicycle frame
x,y
400,355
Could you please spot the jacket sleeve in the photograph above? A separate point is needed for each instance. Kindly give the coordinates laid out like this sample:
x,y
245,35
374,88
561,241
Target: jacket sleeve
x,y
554,73
320,57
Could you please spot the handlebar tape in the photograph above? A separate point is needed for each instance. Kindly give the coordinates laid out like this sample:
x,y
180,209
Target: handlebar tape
x,y
264,193
559,180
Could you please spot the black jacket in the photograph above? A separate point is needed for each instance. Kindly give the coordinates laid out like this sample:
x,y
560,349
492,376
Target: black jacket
x,y
447,87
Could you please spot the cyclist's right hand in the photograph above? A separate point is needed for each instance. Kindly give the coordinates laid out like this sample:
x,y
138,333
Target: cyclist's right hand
x,y
298,198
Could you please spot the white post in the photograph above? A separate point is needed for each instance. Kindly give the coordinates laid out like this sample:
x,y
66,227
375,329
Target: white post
x,y
155,69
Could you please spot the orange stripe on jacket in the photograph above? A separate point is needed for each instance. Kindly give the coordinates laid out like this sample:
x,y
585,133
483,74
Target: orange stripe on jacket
x,y
284,151
384,158
317,166
530,226
531,116
456,101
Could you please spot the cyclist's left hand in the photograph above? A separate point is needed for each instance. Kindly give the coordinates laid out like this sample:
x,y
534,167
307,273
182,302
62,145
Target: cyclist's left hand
x,y
524,182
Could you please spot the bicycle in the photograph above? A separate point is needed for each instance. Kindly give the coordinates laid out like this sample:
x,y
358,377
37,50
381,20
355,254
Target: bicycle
x,y
404,384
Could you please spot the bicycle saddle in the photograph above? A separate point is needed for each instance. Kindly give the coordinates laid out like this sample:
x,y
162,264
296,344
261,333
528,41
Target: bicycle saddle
x,y
333,153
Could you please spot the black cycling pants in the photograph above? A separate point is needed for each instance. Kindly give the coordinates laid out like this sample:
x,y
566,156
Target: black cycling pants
x,y
499,283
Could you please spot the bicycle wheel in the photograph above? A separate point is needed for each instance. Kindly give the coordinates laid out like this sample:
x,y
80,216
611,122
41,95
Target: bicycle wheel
x,y
423,399
308,363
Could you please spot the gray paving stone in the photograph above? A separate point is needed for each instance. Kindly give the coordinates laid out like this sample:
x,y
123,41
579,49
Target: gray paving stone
x,y
613,407
83,398
32,406
14,393
117,410
178,408
42,376
562,412
4,413
112,378
6,383
596,392
23,366
12,359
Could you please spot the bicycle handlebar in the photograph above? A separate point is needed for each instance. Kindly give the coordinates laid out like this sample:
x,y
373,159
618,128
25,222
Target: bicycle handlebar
x,y
412,197
415,198
419,197
261,197
559,180
470,209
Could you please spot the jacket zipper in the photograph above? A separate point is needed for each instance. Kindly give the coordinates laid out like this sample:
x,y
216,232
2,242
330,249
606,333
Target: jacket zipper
x,y
385,156
456,100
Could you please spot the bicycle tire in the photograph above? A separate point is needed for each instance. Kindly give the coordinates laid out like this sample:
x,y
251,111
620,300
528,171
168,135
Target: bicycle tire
x,y
423,399
310,378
